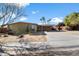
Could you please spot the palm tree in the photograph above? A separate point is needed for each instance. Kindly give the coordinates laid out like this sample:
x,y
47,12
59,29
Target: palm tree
x,y
48,21
43,20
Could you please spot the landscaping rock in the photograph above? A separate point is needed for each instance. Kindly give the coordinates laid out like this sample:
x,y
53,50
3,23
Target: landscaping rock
x,y
21,36
5,35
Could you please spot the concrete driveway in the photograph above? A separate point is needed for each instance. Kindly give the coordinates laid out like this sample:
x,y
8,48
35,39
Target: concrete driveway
x,y
63,39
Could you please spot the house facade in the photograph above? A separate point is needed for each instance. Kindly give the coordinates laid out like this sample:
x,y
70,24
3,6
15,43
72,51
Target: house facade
x,y
23,27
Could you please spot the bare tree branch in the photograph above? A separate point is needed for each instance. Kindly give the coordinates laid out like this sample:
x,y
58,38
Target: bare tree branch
x,y
8,10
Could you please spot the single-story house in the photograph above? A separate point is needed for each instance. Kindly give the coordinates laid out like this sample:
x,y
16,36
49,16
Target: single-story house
x,y
23,27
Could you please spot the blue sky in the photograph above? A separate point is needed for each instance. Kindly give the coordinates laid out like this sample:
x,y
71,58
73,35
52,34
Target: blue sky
x,y
55,11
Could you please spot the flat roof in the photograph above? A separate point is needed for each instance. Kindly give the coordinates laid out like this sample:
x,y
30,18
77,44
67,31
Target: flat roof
x,y
24,23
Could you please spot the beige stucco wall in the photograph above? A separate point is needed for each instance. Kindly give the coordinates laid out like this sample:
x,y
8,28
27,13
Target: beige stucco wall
x,y
22,28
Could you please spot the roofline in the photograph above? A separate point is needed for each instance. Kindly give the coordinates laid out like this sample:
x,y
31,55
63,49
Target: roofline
x,y
24,23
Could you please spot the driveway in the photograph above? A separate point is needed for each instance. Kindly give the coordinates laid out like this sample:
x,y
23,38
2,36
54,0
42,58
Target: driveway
x,y
63,39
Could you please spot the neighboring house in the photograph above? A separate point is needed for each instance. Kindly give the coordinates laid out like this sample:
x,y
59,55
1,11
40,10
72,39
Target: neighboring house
x,y
45,28
23,27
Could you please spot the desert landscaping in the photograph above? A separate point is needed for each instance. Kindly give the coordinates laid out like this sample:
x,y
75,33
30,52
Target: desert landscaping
x,y
27,38
31,45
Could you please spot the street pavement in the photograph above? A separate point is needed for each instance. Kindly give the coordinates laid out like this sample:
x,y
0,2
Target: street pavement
x,y
63,39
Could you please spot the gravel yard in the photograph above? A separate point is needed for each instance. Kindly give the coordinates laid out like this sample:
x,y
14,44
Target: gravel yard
x,y
27,38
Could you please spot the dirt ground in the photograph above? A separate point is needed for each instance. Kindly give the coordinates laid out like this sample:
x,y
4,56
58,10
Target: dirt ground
x,y
27,37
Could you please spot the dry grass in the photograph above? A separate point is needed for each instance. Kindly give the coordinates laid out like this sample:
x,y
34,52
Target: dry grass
x,y
30,38
36,38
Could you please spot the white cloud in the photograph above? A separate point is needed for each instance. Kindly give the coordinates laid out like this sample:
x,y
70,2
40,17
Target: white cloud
x,y
34,12
39,23
19,5
56,20
22,4
23,18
